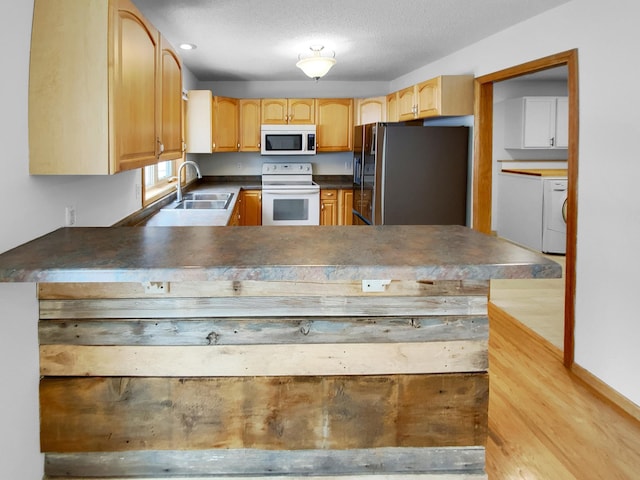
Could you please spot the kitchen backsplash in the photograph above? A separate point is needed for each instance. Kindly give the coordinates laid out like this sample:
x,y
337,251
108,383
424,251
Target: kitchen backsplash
x,y
248,163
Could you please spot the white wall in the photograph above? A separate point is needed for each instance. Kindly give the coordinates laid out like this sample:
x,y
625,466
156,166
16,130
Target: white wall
x,y
606,35
607,326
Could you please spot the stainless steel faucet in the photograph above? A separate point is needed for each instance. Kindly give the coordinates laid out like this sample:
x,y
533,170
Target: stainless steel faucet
x,y
179,186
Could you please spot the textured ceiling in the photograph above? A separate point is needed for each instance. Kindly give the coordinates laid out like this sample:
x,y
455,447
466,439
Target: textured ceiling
x,y
373,40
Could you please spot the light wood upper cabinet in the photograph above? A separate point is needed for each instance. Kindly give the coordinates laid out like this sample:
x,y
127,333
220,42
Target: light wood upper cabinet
x,y
96,92
225,124
250,125
447,95
392,107
407,109
292,111
170,135
370,110
334,124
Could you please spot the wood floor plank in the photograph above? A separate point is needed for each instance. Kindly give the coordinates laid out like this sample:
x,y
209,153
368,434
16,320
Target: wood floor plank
x,y
544,422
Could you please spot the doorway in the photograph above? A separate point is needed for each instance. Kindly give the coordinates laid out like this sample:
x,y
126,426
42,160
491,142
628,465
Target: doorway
x,y
483,166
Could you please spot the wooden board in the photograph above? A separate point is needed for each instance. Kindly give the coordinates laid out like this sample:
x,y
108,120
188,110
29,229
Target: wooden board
x,y
253,331
248,288
218,307
267,360
283,413
374,464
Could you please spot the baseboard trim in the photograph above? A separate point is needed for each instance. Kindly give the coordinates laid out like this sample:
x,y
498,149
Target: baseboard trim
x,y
608,394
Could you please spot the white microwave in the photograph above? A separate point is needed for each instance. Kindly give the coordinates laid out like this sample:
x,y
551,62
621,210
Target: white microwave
x,y
288,139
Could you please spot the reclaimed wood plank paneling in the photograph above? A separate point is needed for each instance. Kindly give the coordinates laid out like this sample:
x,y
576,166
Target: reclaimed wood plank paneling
x,y
252,331
380,463
268,360
248,288
263,307
96,414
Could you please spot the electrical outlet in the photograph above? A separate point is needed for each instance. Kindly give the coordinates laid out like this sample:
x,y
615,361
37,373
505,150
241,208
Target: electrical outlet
x,y
70,215
239,166
138,191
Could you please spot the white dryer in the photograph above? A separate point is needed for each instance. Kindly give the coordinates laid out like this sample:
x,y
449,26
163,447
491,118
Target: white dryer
x,y
554,216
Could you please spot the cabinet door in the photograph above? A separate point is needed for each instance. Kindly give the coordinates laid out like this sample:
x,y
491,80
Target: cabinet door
x,y
392,107
135,89
407,104
328,207
225,124
274,111
249,125
428,98
251,214
539,122
234,219
301,111
199,132
562,123
334,121
371,110
170,135
345,206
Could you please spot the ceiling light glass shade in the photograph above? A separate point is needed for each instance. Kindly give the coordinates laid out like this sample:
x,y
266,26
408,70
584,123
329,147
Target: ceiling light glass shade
x,y
316,66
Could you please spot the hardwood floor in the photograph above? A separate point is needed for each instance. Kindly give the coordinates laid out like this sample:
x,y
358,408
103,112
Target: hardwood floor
x,y
538,304
544,423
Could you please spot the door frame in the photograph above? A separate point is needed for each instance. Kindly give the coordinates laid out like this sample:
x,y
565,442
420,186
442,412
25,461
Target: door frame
x,y
483,167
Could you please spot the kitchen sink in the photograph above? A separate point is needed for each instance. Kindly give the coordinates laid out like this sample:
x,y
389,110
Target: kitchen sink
x,y
202,205
195,209
208,196
203,201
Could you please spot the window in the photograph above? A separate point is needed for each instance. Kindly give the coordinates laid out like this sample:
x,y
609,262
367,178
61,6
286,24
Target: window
x,y
159,179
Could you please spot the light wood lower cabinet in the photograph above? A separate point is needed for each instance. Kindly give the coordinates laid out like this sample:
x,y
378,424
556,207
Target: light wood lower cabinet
x,y
251,209
329,207
345,207
336,207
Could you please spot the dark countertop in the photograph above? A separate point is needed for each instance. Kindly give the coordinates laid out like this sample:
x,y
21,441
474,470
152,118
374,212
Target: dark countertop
x,y
319,253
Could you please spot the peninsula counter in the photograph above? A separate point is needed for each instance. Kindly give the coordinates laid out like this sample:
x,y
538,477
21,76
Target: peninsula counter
x,y
247,352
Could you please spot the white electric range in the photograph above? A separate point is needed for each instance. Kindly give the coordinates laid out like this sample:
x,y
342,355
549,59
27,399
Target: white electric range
x,y
289,194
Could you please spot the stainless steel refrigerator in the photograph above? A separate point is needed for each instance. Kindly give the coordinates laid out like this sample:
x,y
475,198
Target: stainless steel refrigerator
x,y
410,175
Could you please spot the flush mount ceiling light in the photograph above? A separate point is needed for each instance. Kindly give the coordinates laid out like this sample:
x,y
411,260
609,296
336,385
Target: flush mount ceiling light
x,y
188,46
316,65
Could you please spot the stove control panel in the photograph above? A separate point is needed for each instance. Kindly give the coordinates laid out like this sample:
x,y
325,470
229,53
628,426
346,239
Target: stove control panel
x,y
286,168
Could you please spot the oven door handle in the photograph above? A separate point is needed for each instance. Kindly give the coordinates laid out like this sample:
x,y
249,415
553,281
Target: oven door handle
x,y
290,192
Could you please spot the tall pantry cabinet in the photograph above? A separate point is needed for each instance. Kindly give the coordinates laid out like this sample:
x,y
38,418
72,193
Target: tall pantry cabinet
x,y
104,89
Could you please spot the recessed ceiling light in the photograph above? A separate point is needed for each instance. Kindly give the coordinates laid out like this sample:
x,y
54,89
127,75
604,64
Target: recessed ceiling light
x,y
188,46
